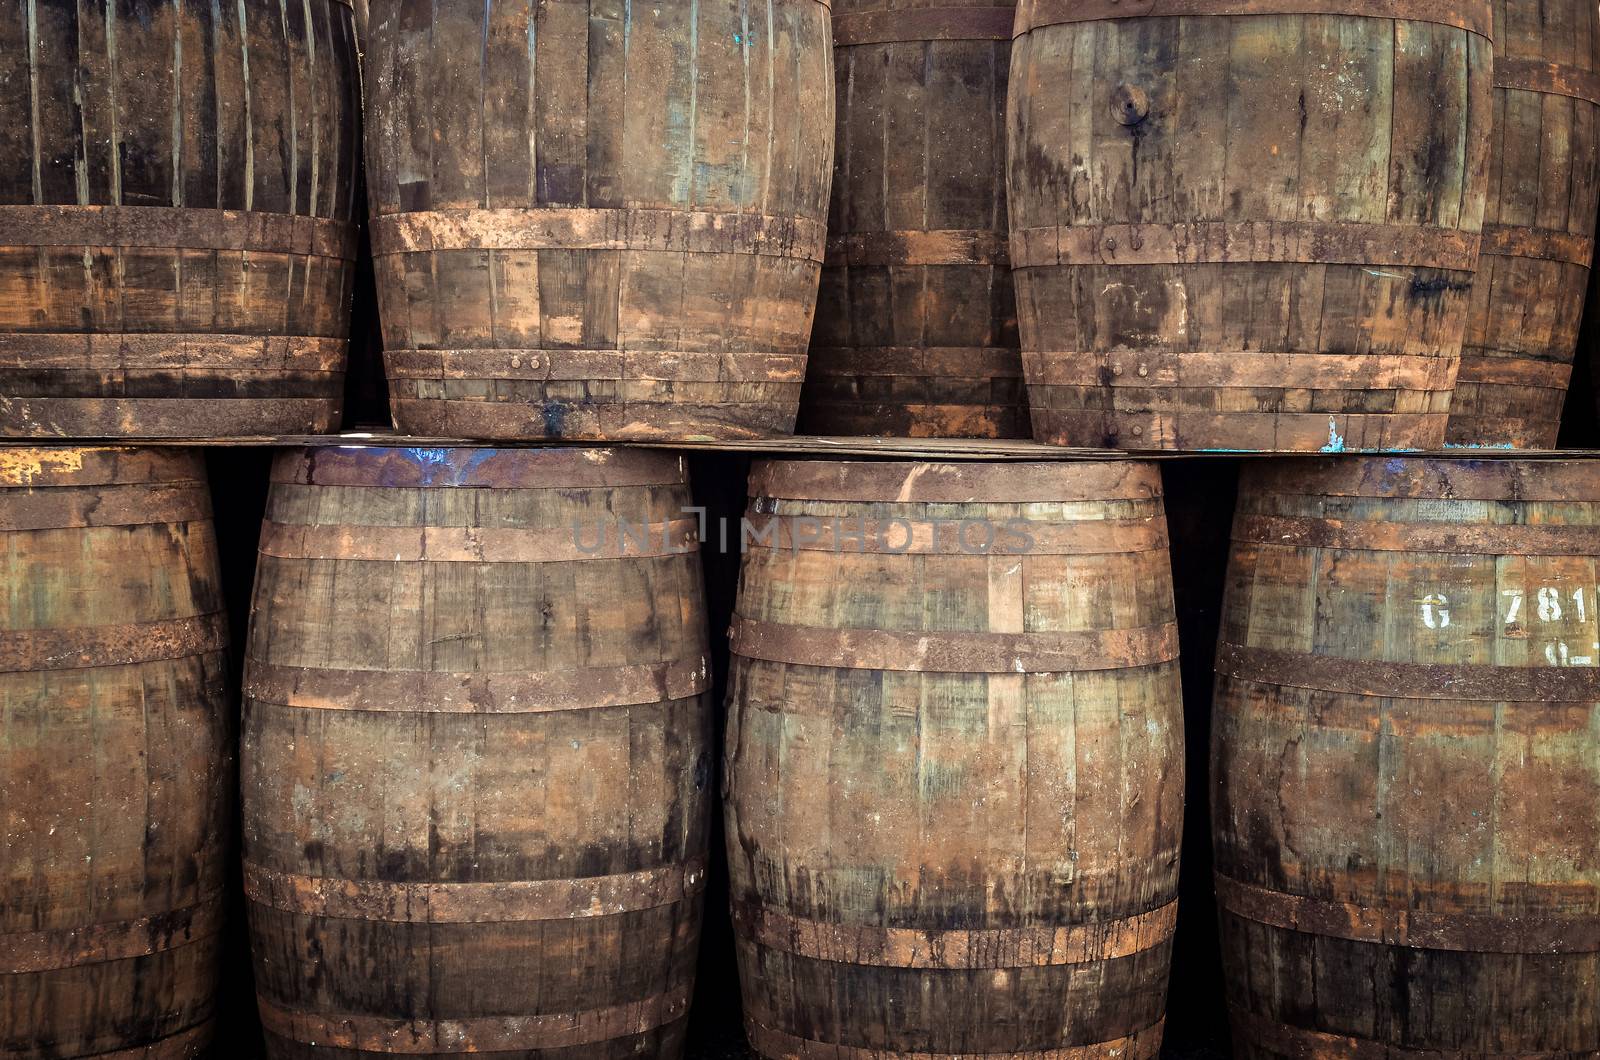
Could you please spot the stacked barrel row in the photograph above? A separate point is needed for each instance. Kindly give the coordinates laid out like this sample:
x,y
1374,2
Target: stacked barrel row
x,y
1207,224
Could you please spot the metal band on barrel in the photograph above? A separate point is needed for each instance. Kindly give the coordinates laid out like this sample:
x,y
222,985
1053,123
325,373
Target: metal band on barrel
x,y
954,652
22,952
1472,15
922,24
1220,242
181,1045
475,544
1541,244
974,246
1086,537
583,228
1514,371
870,944
132,505
474,903
424,468
476,692
1160,368
176,228
106,351
1414,928
119,645
916,362
1143,1045
1394,680
1555,79
918,483
1385,536
545,1030
571,364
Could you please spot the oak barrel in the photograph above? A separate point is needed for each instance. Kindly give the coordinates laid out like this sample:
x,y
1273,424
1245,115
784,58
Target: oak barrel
x,y
116,754
476,753
954,760
628,244
1406,759
177,183
1246,224
1538,231
916,328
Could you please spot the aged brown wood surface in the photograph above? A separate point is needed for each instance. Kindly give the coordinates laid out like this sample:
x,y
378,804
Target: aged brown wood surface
x,y
115,754
1406,760
597,219
1538,230
476,753
916,329
954,767
176,239
1246,224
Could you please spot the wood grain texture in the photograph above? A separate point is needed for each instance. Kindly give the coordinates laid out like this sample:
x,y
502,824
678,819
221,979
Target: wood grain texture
x,y
916,327
116,754
176,232
1208,212
954,777
1538,227
594,219
475,780
1406,759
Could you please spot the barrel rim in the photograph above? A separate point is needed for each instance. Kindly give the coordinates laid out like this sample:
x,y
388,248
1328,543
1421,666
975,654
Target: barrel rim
x,y
1397,476
34,466
915,481
424,467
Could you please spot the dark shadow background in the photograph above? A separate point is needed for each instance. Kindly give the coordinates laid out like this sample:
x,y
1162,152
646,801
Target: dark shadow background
x,y
1200,494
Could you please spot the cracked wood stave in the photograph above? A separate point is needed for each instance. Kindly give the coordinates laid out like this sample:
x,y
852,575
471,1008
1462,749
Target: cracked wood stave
x,y
116,754
598,220
1244,180
475,758
176,192
954,776
1405,760
1538,228
916,326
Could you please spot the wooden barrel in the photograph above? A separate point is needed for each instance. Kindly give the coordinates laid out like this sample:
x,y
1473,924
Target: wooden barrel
x,y
954,761
177,244
628,246
916,329
476,753
1406,760
116,754
1538,231
1246,224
